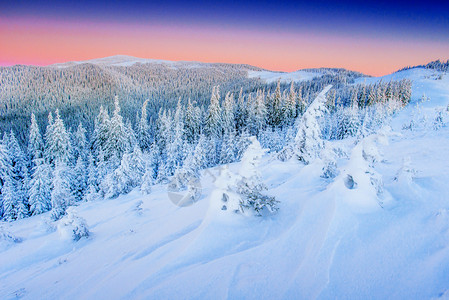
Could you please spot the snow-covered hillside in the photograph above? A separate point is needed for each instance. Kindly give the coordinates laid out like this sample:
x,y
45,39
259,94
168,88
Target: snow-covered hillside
x,y
270,77
331,238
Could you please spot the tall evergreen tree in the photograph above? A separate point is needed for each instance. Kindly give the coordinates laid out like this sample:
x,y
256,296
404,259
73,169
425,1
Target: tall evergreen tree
x,y
40,187
61,195
20,177
58,147
241,113
35,142
290,106
275,112
228,113
213,120
144,134
80,147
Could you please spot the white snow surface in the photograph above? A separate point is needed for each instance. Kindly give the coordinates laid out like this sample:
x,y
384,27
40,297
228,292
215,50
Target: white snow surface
x,y
323,243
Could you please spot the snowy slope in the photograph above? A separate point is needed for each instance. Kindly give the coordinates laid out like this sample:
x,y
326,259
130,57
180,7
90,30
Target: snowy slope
x,y
325,242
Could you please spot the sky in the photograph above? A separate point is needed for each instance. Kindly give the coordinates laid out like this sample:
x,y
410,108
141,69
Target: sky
x,y
373,37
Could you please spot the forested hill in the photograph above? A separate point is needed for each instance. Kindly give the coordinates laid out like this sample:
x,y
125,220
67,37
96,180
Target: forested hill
x,y
78,89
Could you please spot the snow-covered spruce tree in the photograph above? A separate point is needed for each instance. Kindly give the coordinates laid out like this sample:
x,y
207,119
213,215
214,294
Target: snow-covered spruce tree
x,y
58,147
80,147
35,142
199,159
101,132
147,179
308,142
144,135
227,152
165,128
128,175
228,124
250,187
40,187
79,182
241,113
213,118
290,106
257,114
242,143
349,124
4,174
274,107
120,138
329,158
40,182
192,122
174,149
19,176
8,199
301,104
61,195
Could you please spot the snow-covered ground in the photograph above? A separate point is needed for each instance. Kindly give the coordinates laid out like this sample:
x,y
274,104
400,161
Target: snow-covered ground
x,y
326,241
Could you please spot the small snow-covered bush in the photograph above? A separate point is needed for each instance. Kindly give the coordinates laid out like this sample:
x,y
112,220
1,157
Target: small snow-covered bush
x,y
329,158
72,227
243,192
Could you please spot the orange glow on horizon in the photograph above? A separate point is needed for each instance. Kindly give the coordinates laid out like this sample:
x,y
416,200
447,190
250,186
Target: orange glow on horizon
x,y
42,43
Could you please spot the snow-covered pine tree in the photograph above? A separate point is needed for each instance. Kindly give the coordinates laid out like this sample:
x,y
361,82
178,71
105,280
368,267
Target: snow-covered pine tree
x,y
290,106
257,114
35,142
80,147
301,104
101,133
242,143
19,177
228,124
58,147
192,122
250,186
40,187
308,138
61,195
213,119
5,173
147,179
91,193
174,149
227,153
79,183
274,107
349,124
144,135
199,159
128,175
241,113
119,139
8,199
